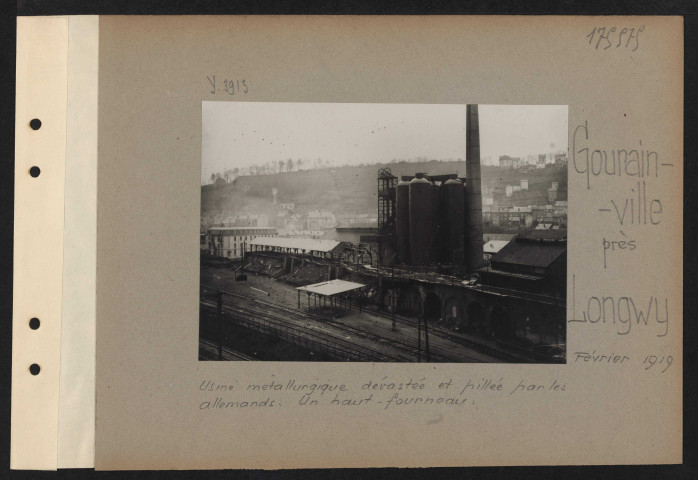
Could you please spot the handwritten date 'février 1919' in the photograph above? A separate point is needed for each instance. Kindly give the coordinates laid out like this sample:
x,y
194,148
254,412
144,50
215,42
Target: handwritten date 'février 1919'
x,y
226,85
661,362
607,37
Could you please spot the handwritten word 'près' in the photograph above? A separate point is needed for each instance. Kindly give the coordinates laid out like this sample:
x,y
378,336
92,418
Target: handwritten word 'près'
x,y
614,37
227,86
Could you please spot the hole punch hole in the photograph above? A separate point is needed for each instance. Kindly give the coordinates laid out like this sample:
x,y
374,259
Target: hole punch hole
x,y
34,369
35,124
34,171
34,323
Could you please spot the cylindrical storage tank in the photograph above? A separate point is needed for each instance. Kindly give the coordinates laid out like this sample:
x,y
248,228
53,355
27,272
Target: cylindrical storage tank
x,y
402,221
421,221
438,249
454,194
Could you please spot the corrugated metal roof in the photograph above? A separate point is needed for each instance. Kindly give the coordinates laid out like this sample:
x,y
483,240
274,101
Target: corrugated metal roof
x,y
530,253
213,230
503,273
545,234
357,226
307,244
332,287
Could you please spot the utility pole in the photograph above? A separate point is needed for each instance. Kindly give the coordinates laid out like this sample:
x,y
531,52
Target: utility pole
x,y
392,297
219,305
426,338
419,333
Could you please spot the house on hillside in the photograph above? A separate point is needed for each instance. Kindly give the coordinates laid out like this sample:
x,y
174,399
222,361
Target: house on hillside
x,y
294,222
319,219
508,162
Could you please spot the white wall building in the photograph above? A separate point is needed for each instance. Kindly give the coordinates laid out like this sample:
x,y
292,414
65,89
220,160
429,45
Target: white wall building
x,y
318,219
230,242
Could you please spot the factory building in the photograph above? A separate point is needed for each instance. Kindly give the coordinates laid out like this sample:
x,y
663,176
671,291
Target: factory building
x,y
534,263
230,242
352,233
491,248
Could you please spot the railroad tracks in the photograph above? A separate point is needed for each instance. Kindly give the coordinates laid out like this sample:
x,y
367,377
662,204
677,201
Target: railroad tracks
x,y
441,332
301,334
257,312
208,350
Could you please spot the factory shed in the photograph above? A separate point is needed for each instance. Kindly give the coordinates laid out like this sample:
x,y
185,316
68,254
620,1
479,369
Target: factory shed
x,y
533,257
535,262
303,246
335,290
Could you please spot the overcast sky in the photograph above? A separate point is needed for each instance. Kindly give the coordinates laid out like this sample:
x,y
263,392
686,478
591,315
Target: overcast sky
x,y
240,134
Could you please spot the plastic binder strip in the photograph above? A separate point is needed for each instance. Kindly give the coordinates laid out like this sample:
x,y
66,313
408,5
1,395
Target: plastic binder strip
x,y
42,49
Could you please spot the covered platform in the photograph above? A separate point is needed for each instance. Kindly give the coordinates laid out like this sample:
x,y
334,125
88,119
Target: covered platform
x,y
337,291
303,246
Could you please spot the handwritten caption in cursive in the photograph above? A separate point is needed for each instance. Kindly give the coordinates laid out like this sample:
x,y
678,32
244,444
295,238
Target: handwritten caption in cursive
x,y
385,393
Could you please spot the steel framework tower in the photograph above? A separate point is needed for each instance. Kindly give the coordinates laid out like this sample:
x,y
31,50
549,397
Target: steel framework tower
x,y
386,201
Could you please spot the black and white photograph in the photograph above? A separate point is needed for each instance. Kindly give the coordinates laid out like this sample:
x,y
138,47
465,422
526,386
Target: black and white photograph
x,y
358,232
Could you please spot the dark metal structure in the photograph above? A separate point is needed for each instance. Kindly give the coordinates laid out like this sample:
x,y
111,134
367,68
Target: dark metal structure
x,y
436,219
386,201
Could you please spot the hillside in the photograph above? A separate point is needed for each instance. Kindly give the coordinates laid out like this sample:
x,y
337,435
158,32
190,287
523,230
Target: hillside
x,y
539,181
352,190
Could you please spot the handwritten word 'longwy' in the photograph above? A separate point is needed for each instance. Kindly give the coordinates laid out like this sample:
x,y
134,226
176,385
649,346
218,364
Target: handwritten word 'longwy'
x,y
626,313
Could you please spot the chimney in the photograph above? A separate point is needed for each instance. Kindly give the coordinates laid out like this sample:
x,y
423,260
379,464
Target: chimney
x,y
473,191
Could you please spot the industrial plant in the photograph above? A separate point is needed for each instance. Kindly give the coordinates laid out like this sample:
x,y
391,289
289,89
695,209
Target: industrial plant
x,y
424,283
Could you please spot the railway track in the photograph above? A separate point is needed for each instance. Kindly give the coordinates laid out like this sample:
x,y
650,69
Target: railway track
x,y
407,349
435,331
302,319
303,334
208,350
441,332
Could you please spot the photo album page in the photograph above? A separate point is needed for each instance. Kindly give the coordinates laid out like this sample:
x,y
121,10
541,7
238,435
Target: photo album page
x,y
325,242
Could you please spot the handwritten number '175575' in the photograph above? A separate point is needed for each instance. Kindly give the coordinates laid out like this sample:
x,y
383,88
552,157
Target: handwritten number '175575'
x,y
607,37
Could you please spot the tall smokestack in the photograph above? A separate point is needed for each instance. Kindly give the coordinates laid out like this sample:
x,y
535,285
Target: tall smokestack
x,y
473,191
